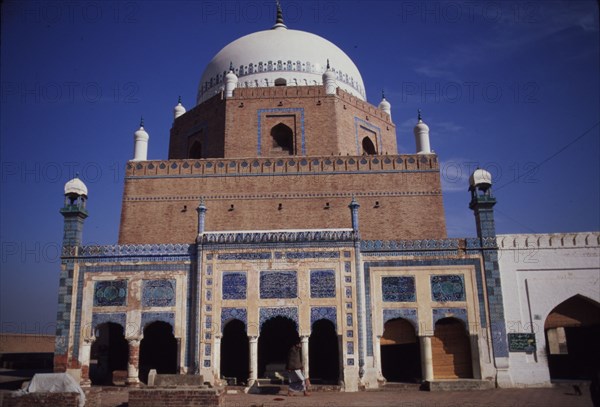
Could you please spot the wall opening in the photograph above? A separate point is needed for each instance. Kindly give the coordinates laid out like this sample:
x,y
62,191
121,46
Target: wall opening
x,y
235,355
195,150
280,82
368,147
572,331
158,350
400,352
283,140
277,336
109,352
323,353
451,350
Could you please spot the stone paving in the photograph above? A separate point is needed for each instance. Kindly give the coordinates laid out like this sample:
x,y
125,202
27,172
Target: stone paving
x,y
547,397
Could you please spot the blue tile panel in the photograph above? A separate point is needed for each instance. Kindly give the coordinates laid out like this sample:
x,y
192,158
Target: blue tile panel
x,y
322,284
410,314
287,312
329,313
350,348
229,314
245,256
234,285
398,289
419,263
116,317
350,362
280,110
458,313
110,293
278,284
312,255
158,293
150,317
447,288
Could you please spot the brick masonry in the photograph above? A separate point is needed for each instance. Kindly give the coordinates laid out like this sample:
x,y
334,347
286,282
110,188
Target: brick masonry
x,y
174,398
43,400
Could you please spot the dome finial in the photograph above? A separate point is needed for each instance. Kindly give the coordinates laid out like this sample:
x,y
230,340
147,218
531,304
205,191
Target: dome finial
x,y
279,20
230,66
419,118
382,94
141,121
179,100
328,67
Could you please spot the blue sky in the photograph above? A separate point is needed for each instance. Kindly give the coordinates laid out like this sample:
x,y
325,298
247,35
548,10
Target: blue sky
x,y
512,87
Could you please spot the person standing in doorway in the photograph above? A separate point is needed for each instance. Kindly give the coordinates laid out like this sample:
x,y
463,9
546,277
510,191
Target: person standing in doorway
x,y
294,367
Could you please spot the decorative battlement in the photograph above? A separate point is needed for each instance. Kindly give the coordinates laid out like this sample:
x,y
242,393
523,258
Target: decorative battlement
x,y
300,236
284,166
128,250
549,240
410,245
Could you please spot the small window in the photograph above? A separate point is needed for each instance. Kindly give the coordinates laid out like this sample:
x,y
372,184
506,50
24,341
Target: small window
x,y
283,138
280,82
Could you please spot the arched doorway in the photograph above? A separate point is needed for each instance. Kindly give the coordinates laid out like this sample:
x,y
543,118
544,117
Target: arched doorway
x,y
323,353
572,331
277,336
451,350
283,139
235,355
400,352
109,352
368,147
158,350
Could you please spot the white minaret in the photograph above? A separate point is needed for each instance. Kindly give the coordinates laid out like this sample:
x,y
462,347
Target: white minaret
x,y
421,132
179,109
231,81
385,105
140,146
329,81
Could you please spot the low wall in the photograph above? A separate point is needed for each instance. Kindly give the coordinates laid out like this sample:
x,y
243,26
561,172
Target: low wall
x,y
175,397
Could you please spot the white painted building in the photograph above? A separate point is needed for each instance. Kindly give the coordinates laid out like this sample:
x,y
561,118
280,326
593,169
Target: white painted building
x,y
551,289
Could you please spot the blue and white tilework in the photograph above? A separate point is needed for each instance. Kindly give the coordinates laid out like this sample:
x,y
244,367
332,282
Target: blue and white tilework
x,y
228,314
329,313
349,319
322,284
287,312
447,288
278,284
458,313
150,317
350,348
110,293
116,317
398,289
409,314
234,285
158,293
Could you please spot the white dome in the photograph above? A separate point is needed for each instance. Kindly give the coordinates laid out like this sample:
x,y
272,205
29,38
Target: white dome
x,y
141,134
296,56
75,186
480,177
384,104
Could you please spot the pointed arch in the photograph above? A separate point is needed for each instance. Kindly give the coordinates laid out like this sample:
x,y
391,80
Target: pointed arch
x,y
400,351
368,148
283,139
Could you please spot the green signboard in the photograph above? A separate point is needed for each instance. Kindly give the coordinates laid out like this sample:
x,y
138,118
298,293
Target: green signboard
x,y
521,343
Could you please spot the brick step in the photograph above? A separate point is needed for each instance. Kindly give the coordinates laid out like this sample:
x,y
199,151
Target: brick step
x,y
459,385
266,386
401,386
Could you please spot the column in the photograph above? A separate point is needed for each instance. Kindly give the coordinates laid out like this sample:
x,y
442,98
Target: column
x,y
253,341
217,357
134,361
304,342
426,358
377,356
84,357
